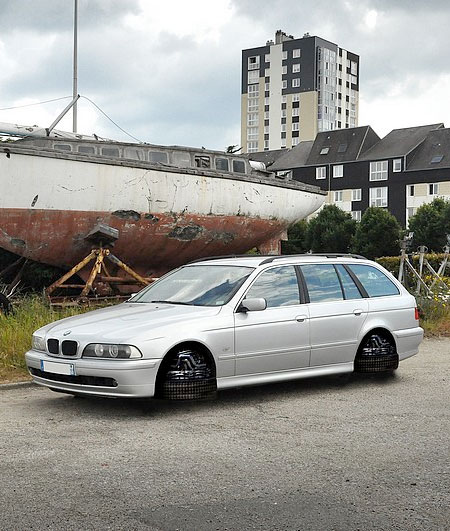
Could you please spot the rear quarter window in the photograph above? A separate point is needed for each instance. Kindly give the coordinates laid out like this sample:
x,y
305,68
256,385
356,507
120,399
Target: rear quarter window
x,y
374,281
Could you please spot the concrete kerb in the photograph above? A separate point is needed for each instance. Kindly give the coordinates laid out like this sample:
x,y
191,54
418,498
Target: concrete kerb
x,y
14,385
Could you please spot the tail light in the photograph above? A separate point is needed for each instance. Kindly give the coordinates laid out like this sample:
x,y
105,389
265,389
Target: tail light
x,y
416,314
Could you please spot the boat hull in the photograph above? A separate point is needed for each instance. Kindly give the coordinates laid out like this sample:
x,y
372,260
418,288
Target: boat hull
x,y
166,217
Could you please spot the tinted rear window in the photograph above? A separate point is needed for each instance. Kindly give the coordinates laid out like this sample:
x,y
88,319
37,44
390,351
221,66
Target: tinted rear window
x,y
376,283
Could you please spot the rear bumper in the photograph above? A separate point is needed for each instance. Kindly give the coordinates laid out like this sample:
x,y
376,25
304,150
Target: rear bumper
x,y
408,341
113,378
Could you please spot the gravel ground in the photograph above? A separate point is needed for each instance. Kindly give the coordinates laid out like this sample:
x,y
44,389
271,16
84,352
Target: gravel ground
x,y
319,454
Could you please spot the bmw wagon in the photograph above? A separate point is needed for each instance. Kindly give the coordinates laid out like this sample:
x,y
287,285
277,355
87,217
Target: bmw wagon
x,y
233,321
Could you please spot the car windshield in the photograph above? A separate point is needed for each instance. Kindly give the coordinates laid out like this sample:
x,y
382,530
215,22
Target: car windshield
x,y
197,285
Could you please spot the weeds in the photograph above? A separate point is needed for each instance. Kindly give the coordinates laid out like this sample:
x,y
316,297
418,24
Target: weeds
x,y
16,328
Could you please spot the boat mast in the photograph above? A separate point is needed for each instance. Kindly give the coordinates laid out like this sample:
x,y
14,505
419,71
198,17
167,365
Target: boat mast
x,y
75,64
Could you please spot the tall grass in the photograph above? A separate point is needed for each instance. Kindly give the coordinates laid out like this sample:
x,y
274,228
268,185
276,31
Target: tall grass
x,y
30,313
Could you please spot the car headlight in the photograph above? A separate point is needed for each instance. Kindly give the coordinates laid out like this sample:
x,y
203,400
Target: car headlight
x,y
101,350
38,343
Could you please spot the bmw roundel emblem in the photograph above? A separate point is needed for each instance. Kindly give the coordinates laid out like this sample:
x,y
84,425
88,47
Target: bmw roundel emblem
x,y
67,332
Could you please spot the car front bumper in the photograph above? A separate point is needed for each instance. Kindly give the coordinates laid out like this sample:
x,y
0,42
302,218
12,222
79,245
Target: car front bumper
x,y
101,377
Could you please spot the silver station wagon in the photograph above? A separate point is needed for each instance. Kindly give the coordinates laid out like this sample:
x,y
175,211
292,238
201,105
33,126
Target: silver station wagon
x,y
233,321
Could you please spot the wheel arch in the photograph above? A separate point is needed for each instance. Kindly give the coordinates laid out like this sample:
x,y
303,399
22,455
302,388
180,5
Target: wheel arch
x,y
377,330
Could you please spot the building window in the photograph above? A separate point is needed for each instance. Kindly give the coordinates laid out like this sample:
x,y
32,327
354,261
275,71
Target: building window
x,y
252,119
410,212
252,147
342,148
283,113
397,165
266,115
295,141
296,68
266,86
284,84
253,91
266,144
433,189
378,197
321,172
253,77
252,133
353,68
356,215
324,151
284,55
267,58
411,190
283,128
266,129
295,97
296,82
267,72
338,170
252,105
338,196
283,142
378,170
253,63
284,69
356,194
436,159
295,126
296,53
295,111
266,101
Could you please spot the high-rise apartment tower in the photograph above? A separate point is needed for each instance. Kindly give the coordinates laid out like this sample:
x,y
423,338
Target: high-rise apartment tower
x,y
294,88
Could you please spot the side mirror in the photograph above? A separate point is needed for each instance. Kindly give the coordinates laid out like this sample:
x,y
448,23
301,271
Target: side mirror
x,y
252,305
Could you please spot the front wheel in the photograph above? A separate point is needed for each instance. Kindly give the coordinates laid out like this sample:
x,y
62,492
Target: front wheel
x,y
377,353
188,375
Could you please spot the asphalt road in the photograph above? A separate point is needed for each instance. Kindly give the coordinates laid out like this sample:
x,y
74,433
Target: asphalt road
x,y
317,454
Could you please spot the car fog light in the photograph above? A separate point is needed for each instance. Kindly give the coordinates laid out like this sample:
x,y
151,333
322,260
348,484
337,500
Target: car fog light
x,y
38,343
101,350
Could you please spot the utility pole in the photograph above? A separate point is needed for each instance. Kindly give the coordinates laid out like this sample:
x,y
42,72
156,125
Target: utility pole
x,y
75,63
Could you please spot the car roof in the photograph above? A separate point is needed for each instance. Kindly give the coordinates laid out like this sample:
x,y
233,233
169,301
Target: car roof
x,y
259,260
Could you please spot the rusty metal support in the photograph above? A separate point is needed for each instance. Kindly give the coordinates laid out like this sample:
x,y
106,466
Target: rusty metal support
x,y
70,273
127,269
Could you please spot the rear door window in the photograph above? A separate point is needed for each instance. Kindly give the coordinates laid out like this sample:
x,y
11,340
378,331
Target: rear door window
x,y
350,289
322,282
376,283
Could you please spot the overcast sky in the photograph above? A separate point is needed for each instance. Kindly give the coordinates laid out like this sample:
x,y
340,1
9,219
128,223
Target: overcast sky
x,y
169,72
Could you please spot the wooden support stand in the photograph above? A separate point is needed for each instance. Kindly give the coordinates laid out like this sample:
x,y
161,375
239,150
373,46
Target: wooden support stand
x,y
99,276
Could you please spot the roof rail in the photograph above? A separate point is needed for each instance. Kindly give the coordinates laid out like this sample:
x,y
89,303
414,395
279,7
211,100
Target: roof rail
x,y
208,258
324,255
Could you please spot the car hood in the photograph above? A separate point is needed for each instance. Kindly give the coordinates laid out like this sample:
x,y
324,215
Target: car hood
x,y
126,320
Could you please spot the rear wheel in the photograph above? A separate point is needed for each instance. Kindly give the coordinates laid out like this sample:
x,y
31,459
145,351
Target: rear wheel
x,y
377,353
188,374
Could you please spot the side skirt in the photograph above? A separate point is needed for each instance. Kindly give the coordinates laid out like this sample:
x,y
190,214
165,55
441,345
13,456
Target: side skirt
x,y
282,376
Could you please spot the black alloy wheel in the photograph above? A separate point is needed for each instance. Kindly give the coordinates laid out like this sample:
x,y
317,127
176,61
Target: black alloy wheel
x,y
377,353
188,375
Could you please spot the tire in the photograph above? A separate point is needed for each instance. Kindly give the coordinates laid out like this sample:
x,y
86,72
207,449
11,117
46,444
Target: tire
x,y
376,354
188,375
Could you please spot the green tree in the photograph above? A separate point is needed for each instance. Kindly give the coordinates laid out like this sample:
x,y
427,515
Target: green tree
x,y
431,224
377,234
296,242
330,231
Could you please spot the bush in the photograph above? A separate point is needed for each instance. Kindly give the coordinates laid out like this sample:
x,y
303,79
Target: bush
x,y
377,234
296,242
331,231
431,224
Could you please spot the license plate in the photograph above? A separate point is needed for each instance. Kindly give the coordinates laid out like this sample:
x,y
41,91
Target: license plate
x,y
58,368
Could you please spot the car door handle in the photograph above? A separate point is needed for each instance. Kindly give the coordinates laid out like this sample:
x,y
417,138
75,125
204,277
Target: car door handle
x,y
301,318
357,312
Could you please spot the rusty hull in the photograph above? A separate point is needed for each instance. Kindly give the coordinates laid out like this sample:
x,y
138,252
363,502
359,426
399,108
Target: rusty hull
x,y
151,244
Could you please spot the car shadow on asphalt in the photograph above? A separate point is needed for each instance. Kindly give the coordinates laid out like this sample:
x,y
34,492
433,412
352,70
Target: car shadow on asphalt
x,y
338,386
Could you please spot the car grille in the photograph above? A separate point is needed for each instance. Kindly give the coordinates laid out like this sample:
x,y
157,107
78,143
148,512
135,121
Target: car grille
x,y
81,380
68,347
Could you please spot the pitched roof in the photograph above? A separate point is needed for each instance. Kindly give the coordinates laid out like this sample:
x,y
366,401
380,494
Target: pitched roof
x,y
433,152
399,142
293,158
341,145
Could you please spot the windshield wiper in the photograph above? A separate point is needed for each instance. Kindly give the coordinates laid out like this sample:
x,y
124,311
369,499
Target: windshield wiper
x,y
174,302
